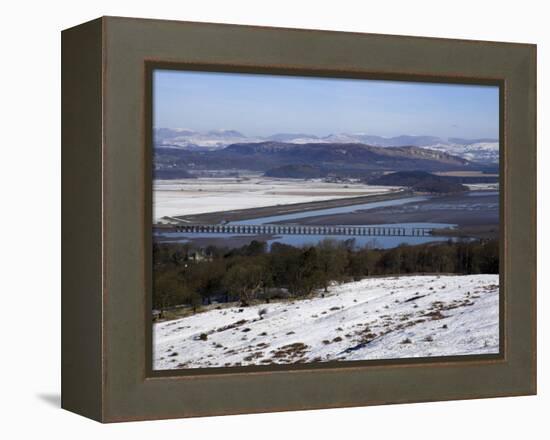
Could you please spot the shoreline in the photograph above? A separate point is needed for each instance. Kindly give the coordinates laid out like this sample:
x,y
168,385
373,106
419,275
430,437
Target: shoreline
x,y
268,211
468,224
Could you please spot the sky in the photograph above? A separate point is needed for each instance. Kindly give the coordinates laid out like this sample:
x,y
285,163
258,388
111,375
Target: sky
x,y
263,105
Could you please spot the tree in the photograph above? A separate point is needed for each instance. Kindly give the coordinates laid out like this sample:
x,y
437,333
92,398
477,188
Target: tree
x,y
170,288
165,288
245,280
305,274
256,248
332,261
205,277
193,299
489,257
390,261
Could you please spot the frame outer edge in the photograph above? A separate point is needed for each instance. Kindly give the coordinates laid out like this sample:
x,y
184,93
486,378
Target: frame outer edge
x,y
534,63
81,212
126,395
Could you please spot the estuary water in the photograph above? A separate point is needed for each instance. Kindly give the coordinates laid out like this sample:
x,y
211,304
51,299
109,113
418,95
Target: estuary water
x,y
287,218
457,204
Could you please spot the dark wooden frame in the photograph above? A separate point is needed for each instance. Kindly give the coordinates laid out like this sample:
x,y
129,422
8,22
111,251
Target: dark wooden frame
x,y
106,177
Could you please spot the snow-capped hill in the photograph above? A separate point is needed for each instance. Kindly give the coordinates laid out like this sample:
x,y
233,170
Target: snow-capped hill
x,y
293,137
341,138
213,139
483,151
226,134
483,146
486,152
161,134
376,318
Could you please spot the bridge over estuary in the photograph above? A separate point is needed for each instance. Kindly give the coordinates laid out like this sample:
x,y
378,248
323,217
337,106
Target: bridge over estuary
x,y
375,231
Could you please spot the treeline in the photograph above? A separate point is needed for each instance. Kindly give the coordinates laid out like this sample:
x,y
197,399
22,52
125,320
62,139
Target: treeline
x,y
184,275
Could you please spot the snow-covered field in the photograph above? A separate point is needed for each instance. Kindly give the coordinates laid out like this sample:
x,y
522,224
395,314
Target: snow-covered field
x,y
202,195
376,318
483,186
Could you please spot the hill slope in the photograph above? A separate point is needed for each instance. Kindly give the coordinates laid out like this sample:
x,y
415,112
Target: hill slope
x,y
376,318
420,181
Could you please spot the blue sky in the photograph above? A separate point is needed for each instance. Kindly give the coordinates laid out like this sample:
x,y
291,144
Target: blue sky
x,y
261,105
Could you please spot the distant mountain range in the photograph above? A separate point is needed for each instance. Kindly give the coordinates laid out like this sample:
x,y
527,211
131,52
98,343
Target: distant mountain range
x,y
483,150
320,159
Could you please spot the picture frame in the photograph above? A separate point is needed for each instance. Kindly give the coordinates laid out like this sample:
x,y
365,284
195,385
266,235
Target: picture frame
x,y
107,201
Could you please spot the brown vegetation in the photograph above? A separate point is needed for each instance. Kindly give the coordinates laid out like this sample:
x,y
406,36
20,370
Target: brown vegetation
x,y
253,273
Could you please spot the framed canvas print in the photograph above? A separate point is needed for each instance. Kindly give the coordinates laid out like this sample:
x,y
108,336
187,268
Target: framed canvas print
x,y
263,219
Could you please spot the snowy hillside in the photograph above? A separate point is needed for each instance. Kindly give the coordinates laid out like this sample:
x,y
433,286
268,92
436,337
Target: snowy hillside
x,y
376,318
